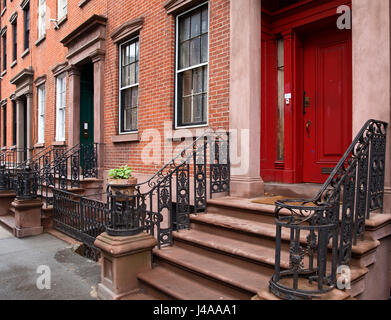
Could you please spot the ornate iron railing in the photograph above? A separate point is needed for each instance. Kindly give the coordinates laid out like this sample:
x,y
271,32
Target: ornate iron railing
x,y
81,218
63,169
164,202
322,230
10,164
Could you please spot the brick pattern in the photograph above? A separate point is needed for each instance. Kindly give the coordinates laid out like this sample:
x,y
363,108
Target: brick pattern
x,y
157,68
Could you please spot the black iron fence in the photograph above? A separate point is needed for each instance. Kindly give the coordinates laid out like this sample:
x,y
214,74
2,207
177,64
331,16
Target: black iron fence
x,y
323,230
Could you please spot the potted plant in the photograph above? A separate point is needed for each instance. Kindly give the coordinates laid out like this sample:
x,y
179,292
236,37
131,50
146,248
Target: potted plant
x,y
122,181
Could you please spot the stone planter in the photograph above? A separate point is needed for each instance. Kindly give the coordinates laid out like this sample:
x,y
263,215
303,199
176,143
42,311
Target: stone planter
x,y
124,186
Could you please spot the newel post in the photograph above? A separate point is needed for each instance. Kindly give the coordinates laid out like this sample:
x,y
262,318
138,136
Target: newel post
x,y
126,249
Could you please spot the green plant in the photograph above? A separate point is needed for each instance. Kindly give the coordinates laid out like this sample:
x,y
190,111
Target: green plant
x,y
123,172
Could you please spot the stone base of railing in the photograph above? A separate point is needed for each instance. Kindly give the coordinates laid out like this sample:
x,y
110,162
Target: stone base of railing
x,y
6,198
122,259
27,218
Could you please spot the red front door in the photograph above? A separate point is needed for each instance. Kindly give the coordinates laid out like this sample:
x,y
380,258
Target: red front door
x,y
327,105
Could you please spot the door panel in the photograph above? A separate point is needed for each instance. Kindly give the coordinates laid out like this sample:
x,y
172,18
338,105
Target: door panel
x,y
328,115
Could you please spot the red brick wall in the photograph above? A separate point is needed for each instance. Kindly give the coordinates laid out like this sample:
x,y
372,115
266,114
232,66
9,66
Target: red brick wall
x,y
157,75
42,58
157,68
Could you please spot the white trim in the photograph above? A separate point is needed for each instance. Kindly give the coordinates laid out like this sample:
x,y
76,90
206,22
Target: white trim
x,y
41,113
60,136
62,9
176,127
120,89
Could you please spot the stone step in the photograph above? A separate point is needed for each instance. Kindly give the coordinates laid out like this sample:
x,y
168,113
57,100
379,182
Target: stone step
x,y
244,277
163,283
8,221
139,296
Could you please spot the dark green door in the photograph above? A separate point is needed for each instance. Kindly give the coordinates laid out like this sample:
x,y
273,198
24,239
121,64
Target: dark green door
x,y
86,114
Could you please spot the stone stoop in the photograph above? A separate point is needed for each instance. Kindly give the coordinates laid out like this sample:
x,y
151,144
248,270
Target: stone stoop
x,y
229,253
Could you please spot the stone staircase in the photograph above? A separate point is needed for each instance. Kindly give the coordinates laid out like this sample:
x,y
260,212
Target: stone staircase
x,y
228,253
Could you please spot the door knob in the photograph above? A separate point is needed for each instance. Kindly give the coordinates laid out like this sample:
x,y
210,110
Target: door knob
x,y
308,125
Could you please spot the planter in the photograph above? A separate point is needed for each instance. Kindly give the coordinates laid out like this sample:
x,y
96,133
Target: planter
x,y
123,186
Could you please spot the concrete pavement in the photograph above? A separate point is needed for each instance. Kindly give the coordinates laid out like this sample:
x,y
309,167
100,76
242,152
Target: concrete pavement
x,y
72,276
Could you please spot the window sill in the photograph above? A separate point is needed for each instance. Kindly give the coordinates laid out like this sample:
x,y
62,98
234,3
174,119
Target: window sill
x,y
39,145
25,52
193,132
13,147
59,143
3,73
3,148
62,21
13,64
128,137
40,40
4,10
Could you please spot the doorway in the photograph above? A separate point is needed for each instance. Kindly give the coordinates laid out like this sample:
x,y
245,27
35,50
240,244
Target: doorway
x,y
327,100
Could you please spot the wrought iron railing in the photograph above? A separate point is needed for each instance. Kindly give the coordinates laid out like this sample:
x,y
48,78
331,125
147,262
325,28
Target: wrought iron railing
x,y
163,203
323,230
65,169
10,164
81,218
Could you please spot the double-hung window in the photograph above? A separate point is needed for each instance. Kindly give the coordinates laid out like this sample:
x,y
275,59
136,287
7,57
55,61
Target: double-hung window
x,y
41,18
26,26
5,126
129,70
41,114
62,8
192,67
60,108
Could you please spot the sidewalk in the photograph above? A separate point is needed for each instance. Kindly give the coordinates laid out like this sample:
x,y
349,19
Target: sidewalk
x,y
72,276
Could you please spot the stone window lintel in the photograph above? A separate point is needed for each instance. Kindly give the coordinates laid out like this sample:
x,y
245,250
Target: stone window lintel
x,y
127,30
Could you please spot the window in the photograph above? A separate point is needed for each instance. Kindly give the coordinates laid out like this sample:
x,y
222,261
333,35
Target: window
x,y
5,126
129,70
14,123
41,114
61,9
41,18
4,38
26,26
61,103
4,4
14,41
192,67
280,99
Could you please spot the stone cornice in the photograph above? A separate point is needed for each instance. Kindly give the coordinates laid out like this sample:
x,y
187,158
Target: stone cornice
x,y
127,29
24,3
13,17
40,80
25,74
176,6
59,68
92,22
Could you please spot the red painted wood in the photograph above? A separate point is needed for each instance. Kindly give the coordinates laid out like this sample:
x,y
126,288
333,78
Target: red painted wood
x,y
291,23
327,82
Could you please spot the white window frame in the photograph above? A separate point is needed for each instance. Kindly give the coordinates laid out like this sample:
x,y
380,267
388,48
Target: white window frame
x,y
127,87
62,9
41,113
189,68
41,19
61,107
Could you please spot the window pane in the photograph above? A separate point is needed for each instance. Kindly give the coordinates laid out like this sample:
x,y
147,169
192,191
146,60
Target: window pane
x,y
187,83
204,48
204,106
196,24
197,80
205,75
195,52
134,97
186,110
197,106
132,52
184,58
184,31
204,22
